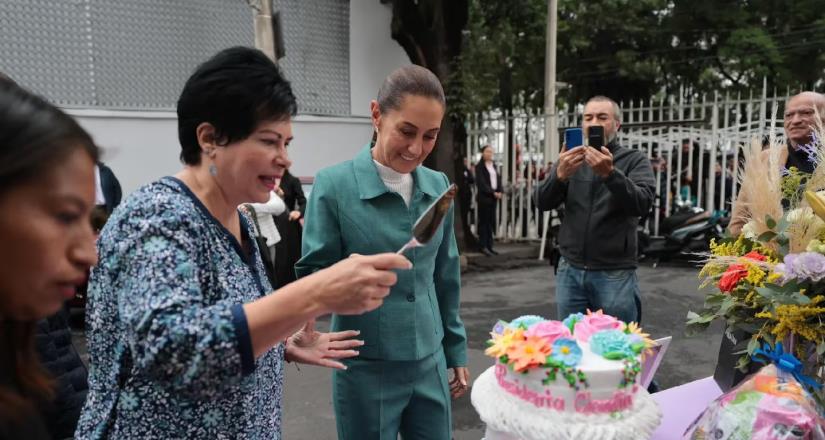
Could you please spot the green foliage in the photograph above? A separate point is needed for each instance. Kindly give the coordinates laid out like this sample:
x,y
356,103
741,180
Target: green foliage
x,y
635,49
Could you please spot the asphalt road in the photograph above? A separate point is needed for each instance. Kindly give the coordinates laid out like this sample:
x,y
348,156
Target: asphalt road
x,y
524,287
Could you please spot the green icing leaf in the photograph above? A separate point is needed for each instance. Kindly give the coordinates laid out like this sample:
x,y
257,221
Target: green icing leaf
x,y
614,355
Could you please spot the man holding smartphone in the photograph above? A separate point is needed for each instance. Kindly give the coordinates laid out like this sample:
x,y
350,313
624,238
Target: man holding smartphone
x,y
605,189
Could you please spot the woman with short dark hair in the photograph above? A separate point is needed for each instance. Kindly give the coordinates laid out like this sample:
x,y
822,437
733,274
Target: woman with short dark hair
x,y
47,191
185,336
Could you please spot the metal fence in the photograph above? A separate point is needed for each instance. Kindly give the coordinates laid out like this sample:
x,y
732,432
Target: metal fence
x,y
693,145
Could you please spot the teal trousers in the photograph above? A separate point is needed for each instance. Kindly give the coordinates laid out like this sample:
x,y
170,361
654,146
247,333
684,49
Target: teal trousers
x,y
377,400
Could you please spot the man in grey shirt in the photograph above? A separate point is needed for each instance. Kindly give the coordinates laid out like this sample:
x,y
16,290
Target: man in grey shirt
x,y
605,191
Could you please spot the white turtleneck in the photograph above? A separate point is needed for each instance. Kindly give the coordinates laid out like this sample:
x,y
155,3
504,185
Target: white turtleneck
x,y
397,182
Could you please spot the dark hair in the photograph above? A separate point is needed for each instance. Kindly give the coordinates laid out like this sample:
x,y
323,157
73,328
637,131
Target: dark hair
x,y
409,80
35,136
234,91
98,218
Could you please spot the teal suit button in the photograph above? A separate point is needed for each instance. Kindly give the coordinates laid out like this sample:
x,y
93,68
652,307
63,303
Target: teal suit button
x,y
411,298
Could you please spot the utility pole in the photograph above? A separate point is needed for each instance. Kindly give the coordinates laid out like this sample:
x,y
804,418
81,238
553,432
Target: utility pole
x,y
264,34
551,132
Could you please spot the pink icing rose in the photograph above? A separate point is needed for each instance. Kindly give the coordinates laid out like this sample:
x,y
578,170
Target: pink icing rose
x,y
594,323
549,330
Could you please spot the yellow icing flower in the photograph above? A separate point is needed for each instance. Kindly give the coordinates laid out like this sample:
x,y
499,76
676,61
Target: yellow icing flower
x,y
502,342
529,352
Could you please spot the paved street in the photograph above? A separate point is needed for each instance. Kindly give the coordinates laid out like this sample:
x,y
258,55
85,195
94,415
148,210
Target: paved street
x,y
525,288
506,287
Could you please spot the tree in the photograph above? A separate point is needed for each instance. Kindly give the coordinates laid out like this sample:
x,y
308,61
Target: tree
x,y
430,32
635,49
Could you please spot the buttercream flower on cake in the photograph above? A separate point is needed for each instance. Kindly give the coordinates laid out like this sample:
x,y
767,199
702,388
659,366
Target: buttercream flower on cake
x,y
532,351
594,322
502,342
572,319
549,330
526,321
567,352
613,344
637,336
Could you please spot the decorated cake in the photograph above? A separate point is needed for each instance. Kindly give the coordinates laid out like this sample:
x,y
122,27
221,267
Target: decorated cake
x,y
571,379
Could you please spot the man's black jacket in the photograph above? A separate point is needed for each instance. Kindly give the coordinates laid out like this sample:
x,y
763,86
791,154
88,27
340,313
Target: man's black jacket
x,y
598,231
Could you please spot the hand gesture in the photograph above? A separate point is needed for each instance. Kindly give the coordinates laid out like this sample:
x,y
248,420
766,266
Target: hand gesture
x,y
460,382
311,347
600,161
294,215
359,283
569,162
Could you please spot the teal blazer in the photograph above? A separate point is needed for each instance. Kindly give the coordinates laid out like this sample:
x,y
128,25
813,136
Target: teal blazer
x,y
351,211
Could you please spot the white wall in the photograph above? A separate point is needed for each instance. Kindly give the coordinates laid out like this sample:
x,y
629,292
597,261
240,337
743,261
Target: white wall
x,y
143,146
140,147
373,54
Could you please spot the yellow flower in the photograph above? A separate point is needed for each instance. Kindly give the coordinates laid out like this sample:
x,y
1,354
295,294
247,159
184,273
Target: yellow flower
x,y
529,352
502,342
794,319
634,329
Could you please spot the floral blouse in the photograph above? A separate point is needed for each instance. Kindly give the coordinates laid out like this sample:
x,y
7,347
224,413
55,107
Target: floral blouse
x,y
169,344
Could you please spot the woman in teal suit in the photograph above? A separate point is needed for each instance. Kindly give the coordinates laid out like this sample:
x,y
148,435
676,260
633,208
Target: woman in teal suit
x,y
369,204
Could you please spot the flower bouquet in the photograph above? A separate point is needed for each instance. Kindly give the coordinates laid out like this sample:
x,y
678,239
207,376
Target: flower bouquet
x,y
768,283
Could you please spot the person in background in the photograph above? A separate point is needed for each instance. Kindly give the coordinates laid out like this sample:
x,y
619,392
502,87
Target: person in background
x,y
488,184
465,190
47,189
108,192
605,190
399,383
288,249
186,337
801,112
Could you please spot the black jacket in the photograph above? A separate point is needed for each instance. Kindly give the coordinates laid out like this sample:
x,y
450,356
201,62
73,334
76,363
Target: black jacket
x,y
294,198
485,194
598,231
57,354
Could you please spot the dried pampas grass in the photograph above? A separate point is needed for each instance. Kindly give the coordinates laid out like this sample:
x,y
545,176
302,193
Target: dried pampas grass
x,y
760,183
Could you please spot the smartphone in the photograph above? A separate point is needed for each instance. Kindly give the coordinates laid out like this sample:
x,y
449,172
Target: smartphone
x,y
595,136
573,138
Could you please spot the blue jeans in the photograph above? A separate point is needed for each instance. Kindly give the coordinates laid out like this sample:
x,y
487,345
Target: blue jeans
x,y
616,292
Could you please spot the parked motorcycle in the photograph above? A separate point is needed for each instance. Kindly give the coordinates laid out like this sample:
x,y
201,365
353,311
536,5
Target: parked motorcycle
x,y
688,230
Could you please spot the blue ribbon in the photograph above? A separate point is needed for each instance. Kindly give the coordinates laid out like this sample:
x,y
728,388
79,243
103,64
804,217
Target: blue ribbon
x,y
785,362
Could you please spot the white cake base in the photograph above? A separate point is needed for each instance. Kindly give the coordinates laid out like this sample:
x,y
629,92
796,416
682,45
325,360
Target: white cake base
x,y
510,418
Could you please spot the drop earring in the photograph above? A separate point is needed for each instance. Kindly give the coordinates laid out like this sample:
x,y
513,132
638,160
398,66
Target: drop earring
x,y
213,170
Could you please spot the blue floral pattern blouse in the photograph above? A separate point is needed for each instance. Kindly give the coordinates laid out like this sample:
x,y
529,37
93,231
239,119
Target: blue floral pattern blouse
x,y
168,340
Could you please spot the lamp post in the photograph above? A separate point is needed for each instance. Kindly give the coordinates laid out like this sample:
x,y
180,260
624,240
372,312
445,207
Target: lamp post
x,y
551,132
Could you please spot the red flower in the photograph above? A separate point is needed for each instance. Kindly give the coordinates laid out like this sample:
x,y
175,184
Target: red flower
x,y
732,276
753,255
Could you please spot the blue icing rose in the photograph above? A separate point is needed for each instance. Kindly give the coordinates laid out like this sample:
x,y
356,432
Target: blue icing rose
x,y
612,344
572,319
526,321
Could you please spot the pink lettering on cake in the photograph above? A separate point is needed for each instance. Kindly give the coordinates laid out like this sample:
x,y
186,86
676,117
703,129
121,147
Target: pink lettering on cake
x,y
620,401
539,400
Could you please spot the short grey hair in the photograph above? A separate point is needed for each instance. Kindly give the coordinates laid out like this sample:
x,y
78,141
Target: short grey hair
x,y
617,111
